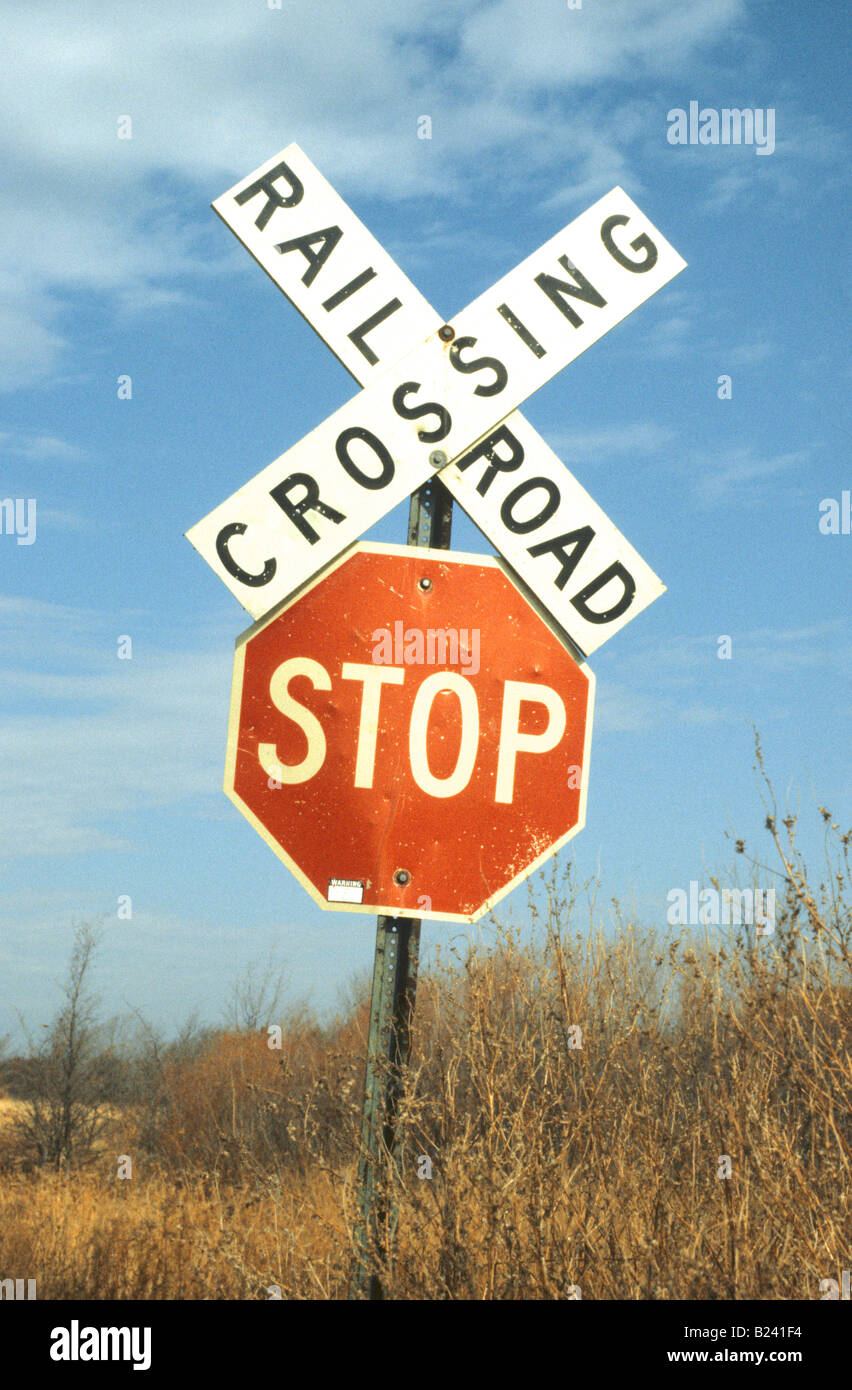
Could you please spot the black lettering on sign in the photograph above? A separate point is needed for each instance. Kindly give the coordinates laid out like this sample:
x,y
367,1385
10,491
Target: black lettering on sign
x,y
521,329
358,283
408,412
579,542
555,289
274,199
615,571
359,334
309,503
327,239
521,527
501,376
641,243
379,449
238,528
487,449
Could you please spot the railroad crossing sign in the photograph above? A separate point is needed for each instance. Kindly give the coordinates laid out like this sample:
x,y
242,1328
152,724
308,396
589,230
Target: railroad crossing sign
x,y
437,397
392,728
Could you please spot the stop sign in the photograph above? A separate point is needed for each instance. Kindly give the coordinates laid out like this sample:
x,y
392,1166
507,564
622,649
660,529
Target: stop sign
x,y
409,734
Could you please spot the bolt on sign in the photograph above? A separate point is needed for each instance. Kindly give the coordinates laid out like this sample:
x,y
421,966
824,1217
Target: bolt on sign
x,y
393,726
436,396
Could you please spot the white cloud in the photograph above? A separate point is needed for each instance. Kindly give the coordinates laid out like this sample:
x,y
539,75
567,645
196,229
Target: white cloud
x,y
669,337
29,348
639,439
748,354
737,474
728,187
628,709
37,447
83,751
635,37
62,519
664,684
214,90
683,662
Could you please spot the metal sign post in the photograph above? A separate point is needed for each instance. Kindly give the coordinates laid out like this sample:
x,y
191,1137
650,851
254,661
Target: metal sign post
x,y
391,1007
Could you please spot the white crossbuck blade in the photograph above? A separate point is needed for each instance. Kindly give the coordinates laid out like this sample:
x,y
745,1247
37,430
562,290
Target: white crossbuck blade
x,y
452,398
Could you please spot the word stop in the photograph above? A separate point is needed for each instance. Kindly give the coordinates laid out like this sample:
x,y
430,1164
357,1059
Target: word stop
x,y
512,740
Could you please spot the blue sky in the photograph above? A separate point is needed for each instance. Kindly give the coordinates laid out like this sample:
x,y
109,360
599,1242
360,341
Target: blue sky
x,y
113,263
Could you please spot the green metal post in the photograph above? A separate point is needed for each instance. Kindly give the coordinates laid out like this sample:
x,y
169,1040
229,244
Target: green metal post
x,y
391,1003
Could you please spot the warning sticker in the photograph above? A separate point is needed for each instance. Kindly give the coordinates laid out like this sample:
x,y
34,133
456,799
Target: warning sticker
x,y
345,890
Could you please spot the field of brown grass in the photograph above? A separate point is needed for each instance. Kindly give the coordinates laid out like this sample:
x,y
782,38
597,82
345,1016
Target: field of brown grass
x,y
605,1113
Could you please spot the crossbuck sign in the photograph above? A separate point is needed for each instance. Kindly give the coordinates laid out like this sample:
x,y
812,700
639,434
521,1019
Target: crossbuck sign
x,y
437,397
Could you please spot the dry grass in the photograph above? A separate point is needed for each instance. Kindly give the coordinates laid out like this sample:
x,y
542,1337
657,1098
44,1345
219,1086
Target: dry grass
x,y
91,1236
554,1166
10,1112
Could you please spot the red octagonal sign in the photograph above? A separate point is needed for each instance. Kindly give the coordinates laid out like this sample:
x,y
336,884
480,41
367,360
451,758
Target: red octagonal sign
x,y
409,734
